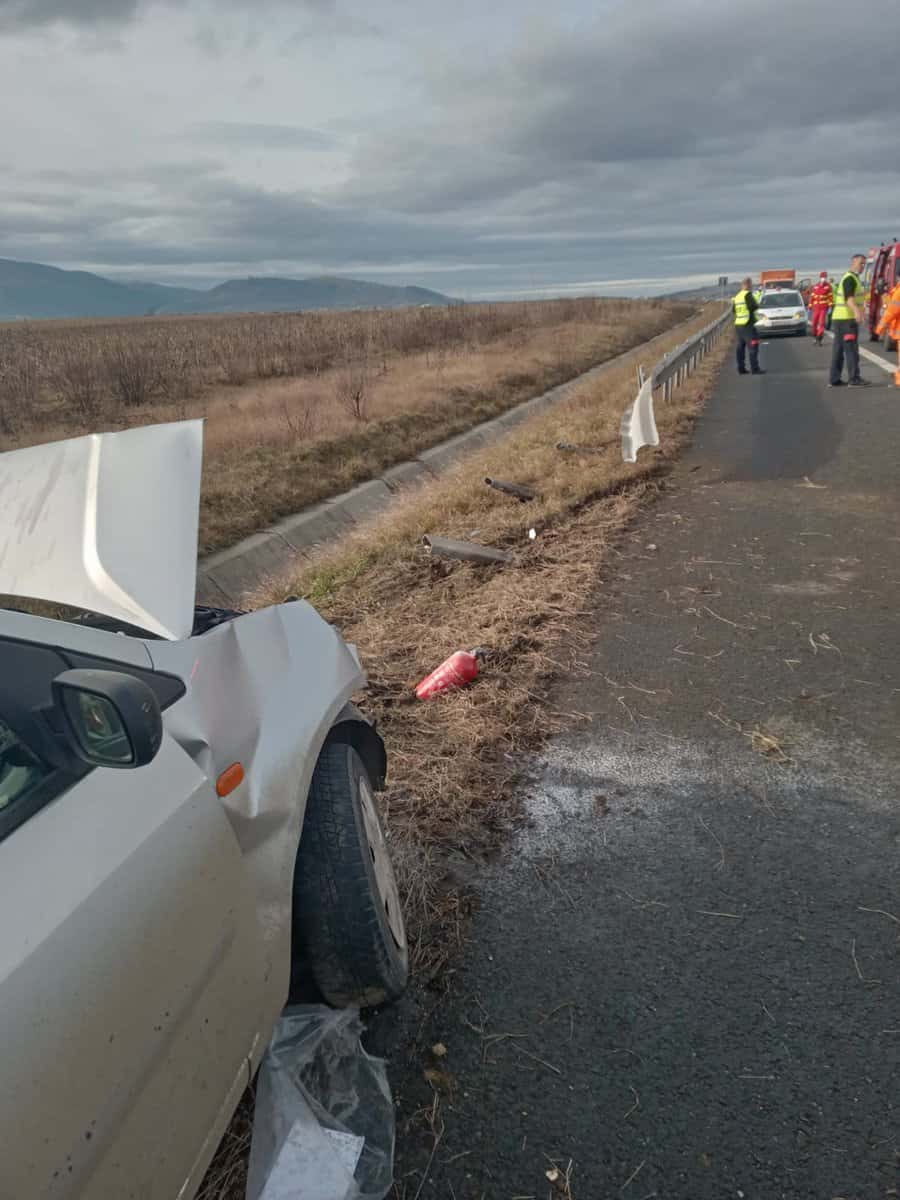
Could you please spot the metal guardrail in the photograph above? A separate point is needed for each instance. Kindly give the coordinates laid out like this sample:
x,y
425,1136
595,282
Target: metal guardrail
x,y
638,422
681,362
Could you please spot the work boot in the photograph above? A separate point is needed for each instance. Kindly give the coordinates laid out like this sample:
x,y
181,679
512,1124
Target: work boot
x,y
743,371
758,371
859,383
837,383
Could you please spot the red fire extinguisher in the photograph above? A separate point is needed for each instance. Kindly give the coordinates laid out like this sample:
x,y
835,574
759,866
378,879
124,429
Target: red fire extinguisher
x,y
456,671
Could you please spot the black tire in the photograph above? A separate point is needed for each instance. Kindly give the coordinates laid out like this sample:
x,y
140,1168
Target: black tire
x,y
348,927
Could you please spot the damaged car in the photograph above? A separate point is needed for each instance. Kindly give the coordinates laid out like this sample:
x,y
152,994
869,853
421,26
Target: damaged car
x,y
188,825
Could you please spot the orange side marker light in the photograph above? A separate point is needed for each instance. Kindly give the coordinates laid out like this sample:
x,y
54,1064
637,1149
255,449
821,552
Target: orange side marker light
x,y
230,778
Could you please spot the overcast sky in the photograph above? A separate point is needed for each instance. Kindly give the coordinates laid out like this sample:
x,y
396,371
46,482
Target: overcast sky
x,y
482,149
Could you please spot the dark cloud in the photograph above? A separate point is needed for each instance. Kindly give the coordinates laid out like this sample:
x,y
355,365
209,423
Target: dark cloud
x,y
654,96
25,14
253,135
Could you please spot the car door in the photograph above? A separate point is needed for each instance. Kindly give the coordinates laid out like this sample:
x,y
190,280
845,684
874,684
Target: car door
x,y
129,973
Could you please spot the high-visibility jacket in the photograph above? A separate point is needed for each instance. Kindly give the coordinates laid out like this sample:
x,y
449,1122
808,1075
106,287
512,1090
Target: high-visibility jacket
x,y
889,321
841,308
822,296
741,308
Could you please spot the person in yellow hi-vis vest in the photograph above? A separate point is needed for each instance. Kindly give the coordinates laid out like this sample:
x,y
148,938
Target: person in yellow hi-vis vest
x,y
846,317
744,307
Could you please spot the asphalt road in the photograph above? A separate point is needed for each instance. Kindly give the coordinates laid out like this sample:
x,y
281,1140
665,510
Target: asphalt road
x,y
683,976
878,349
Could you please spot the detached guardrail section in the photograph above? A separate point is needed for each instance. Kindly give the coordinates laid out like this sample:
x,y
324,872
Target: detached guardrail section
x,y
638,421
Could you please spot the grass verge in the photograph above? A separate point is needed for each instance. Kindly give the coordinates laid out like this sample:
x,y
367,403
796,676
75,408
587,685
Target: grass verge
x,y
287,446
301,407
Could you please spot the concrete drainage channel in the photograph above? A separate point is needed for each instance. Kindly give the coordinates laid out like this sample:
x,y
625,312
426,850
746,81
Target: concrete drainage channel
x,y
224,577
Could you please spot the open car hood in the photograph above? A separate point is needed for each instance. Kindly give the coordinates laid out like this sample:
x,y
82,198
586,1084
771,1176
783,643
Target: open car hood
x,y
106,523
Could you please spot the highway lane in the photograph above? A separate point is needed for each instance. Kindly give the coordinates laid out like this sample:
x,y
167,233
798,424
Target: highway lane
x,y
683,976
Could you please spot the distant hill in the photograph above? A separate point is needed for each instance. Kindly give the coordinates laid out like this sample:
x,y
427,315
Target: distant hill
x,y
34,291
711,292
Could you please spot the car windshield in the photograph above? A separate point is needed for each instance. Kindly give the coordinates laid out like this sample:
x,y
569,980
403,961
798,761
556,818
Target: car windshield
x,y
781,300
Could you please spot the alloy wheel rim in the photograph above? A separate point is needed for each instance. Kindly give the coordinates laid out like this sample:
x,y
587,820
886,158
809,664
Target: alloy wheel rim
x,y
386,883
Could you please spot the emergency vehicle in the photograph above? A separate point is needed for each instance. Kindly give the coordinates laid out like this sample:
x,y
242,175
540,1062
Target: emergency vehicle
x,y
882,274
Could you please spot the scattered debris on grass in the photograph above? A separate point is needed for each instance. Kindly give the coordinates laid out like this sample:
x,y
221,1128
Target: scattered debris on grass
x,y
457,671
440,547
511,489
570,448
454,763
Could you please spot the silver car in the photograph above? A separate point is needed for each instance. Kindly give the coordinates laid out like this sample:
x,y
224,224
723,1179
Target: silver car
x,y
188,828
781,312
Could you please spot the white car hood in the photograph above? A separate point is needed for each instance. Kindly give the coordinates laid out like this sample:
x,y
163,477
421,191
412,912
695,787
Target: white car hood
x,y
106,523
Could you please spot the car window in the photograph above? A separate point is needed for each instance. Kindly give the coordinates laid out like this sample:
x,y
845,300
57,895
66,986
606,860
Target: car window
x,y
20,770
781,300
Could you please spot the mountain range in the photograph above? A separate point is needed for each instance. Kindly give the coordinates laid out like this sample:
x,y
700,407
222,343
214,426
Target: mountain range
x,y
34,291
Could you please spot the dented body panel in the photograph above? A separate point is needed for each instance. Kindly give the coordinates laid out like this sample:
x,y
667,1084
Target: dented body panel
x,y
139,989
146,953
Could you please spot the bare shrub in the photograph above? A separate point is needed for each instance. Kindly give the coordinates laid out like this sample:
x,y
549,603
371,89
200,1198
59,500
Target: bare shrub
x,y
301,417
79,380
8,416
353,388
131,370
177,375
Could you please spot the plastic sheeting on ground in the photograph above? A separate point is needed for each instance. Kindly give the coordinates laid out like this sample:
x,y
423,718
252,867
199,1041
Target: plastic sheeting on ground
x,y
324,1122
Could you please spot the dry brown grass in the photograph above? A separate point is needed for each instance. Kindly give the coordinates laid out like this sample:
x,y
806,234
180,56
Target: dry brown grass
x,y
300,407
455,761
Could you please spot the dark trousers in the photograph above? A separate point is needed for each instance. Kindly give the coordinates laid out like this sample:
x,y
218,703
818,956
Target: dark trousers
x,y
746,336
846,342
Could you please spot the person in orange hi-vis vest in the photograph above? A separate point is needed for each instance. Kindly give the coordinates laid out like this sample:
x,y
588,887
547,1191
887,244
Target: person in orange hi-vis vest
x,y
820,301
888,326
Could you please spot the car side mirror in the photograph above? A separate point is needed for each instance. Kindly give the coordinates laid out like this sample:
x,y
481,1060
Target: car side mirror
x,y
112,719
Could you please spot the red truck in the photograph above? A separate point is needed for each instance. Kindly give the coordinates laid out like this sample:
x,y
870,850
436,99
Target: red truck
x,y
881,275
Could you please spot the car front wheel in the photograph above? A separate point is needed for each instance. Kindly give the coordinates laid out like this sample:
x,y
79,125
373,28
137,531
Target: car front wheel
x,y
348,920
